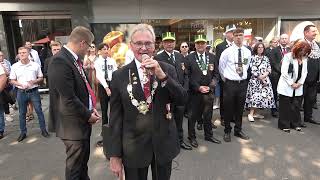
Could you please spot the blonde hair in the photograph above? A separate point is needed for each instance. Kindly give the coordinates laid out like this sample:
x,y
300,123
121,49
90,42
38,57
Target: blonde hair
x,y
81,33
142,28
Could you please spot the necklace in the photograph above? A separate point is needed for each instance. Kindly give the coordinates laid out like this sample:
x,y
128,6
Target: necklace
x,y
142,106
203,67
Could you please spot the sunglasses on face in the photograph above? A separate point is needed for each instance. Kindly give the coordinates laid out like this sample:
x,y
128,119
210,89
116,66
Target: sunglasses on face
x,y
184,46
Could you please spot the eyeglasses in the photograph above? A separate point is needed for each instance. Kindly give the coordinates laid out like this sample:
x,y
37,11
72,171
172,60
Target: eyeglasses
x,y
184,46
147,44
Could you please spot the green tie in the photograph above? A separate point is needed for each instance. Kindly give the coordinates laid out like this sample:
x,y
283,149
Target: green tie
x,y
201,62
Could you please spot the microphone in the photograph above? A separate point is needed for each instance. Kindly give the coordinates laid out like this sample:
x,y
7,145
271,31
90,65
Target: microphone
x,y
143,58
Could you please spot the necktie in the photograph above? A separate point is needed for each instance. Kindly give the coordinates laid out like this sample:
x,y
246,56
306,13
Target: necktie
x,y
93,97
240,62
284,51
105,70
172,58
202,62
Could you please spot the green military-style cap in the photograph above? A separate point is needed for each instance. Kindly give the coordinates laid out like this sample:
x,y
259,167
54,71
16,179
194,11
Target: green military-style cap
x,y
200,38
168,36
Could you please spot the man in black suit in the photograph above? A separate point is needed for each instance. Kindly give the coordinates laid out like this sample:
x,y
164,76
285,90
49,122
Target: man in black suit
x,y
178,61
272,44
310,84
276,56
55,48
228,41
141,129
72,103
203,77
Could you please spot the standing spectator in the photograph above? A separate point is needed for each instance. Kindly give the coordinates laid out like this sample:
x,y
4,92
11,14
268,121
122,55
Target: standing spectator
x,y
272,44
203,76
55,48
88,65
310,86
184,49
233,69
259,92
290,87
3,82
104,67
26,75
178,61
228,42
141,130
276,56
33,54
9,88
72,103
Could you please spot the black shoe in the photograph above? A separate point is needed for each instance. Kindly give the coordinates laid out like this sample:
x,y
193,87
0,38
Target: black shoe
x,y
286,130
214,126
315,106
241,135
21,137
274,114
312,121
99,143
212,139
227,137
45,133
193,143
303,125
1,135
199,127
222,122
185,146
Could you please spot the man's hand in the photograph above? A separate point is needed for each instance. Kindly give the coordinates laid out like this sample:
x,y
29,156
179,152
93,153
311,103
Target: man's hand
x,y
108,91
95,116
295,85
154,67
204,89
116,166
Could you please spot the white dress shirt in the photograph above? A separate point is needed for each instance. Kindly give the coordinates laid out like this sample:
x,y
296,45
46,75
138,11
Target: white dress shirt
x,y
129,57
228,63
286,79
140,71
100,68
24,73
34,56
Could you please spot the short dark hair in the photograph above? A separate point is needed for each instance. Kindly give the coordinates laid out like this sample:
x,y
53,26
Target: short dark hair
x,y
102,45
255,48
238,30
307,28
300,45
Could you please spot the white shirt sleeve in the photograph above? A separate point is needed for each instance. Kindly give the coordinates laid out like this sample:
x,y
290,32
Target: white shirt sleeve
x,y
2,70
100,73
13,73
222,63
35,56
39,72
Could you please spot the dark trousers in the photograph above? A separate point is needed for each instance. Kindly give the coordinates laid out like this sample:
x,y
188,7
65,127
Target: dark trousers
x,y
78,153
234,97
274,82
310,98
159,172
289,112
221,101
178,117
104,103
201,108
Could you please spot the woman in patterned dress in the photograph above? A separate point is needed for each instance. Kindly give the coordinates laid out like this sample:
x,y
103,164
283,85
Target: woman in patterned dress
x,y
88,65
259,92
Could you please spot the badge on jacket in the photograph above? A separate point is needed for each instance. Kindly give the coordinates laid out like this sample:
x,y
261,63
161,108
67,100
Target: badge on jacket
x,y
182,66
211,67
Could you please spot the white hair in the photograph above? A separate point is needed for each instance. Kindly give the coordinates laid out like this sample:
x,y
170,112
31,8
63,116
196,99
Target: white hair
x,y
142,28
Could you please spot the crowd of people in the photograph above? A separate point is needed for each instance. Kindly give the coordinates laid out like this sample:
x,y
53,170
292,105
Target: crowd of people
x,y
150,95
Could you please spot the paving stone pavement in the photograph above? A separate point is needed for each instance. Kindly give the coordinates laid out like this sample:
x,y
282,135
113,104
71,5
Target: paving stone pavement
x,y
270,154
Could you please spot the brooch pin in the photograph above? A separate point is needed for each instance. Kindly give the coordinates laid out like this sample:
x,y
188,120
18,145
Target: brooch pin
x,y
168,115
182,66
211,67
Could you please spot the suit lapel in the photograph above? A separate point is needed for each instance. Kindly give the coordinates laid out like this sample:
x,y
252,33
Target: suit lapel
x,y
137,89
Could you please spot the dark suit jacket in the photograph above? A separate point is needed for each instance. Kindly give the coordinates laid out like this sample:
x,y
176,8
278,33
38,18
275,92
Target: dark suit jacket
x,y
275,61
220,48
313,70
69,99
179,66
45,67
196,77
134,137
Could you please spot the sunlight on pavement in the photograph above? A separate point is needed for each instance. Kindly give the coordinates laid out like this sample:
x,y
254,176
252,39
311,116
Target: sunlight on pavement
x,y
269,173
270,151
13,143
316,162
294,172
202,149
250,156
32,140
38,177
3,158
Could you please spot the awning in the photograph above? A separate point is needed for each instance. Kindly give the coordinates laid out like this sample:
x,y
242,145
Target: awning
x,y
42,41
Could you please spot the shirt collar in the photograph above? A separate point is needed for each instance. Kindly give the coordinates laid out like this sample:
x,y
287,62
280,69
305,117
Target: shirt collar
x,y
73,54
228,42
204,54
169,54
138,63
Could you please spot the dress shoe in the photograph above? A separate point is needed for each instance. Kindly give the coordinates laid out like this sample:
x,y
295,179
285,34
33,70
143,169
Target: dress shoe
x,y
199,127
21,137
286,130
1,135
312,121
185,146
99,143
241,135
227,137
274,114
193,143
212,139
45,133
250,118
303,125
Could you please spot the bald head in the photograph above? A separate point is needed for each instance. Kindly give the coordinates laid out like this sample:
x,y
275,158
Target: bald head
x,y
284,40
